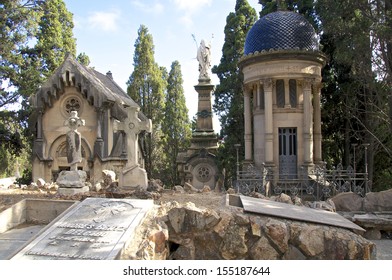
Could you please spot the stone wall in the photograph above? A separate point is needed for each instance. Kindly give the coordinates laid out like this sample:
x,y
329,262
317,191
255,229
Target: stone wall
x,y
174,231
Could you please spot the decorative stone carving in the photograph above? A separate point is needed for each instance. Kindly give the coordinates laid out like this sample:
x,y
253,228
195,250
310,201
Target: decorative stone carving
x,y
204,58
74,140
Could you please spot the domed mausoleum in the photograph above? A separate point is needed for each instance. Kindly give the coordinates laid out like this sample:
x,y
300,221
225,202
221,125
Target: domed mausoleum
x,y
282,82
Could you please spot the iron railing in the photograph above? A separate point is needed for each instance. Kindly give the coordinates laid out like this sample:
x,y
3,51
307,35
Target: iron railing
x,y
319,183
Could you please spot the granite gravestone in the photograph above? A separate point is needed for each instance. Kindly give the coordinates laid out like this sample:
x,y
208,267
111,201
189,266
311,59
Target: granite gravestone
x,y
95,229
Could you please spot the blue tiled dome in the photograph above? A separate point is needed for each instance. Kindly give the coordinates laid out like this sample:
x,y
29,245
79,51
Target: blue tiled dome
x,y
282,30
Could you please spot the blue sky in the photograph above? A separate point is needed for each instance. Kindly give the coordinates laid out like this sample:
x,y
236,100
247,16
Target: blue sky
x,y
107,30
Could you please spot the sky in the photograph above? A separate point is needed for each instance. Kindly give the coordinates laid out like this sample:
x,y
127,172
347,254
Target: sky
x,y
107,31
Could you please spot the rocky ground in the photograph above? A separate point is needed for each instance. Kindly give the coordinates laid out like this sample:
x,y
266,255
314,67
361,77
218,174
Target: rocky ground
x,y
8,197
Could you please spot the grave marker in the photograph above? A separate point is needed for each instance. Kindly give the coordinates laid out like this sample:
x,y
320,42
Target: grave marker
x,y
96,229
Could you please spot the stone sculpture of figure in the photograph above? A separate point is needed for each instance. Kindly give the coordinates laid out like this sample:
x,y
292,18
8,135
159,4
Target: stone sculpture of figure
x,y
74,140
204,58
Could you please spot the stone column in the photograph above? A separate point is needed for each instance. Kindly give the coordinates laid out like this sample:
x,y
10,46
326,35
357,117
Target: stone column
x,y
317,122
307,121
39,124
98,145
248,125
269,133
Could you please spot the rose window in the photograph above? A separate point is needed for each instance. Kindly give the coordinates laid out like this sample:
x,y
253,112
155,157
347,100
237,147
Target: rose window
x,y
72,104
204,173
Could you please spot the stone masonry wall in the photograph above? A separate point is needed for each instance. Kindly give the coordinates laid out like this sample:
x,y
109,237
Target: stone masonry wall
x,y
174,231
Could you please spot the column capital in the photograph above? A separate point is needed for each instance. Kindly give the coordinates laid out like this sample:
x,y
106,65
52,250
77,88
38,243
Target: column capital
x,y
268,83
307,83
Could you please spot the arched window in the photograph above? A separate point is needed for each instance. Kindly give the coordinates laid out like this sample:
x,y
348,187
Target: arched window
x,y
261,97
293,93
280,94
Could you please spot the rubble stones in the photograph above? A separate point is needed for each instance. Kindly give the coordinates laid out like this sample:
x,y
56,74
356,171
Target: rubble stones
x,y
108,177
229,233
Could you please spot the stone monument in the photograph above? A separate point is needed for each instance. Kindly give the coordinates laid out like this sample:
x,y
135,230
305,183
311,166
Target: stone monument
x,y
94,229
74,180
197,165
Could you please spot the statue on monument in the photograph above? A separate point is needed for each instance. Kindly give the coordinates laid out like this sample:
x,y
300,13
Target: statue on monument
x,y
204,59
74,140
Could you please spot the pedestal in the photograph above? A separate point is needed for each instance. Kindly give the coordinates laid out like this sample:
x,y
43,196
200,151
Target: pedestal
x,y
72,182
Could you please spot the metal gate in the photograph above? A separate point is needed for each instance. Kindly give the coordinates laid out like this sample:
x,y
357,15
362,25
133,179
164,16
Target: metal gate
x,y
287,153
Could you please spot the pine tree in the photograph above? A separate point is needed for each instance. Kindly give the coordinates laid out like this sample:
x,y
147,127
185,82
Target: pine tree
x,y
146,86
55,35
228,94
176,125
34,40
358,79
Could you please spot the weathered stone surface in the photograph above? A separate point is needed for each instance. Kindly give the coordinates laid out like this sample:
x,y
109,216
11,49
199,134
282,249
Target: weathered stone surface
x,y
179,189
40,183
233,245
294,253
311,240
262,250
284,198
348,202
72,179
184,252
278,233
232,234
155,186
192,218
230,191
205,189
327,205
207,246
378,201
373,234
95,229
108,177
189,188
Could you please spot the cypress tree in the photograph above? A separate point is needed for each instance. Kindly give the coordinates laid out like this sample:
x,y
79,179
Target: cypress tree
x,y
146,86
176,125
228,94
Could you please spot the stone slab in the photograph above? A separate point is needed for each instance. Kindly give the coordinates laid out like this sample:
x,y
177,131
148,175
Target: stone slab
x,y
294,212
14,239
95,229
72,191
373,220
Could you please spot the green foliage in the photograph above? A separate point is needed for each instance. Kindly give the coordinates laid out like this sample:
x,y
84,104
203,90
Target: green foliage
x,y
83,59
146,86
176,125
228,94
35,38
54,36
357,85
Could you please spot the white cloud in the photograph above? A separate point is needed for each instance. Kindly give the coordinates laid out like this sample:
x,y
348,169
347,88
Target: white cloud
x,y
106,21
188,8
154,8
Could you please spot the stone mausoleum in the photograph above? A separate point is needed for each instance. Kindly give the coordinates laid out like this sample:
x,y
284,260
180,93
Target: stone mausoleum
x,y
282,82
112,137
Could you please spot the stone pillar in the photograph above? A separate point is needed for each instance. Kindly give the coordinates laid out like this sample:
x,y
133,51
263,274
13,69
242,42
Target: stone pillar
x,y
269,133
317,123
98,145
308,122
39,124
248,125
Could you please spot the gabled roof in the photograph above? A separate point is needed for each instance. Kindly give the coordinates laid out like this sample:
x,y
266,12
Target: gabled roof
x,y
100,90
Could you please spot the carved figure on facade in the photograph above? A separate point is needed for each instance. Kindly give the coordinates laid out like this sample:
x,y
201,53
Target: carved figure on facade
x,y
74,140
